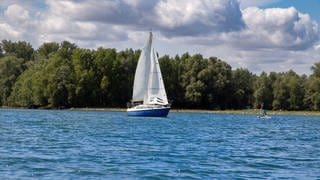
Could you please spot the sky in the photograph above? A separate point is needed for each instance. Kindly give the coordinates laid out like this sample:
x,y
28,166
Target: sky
x,y
259,35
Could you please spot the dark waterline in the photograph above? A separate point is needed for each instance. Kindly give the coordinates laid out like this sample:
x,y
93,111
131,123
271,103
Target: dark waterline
x,y
50,144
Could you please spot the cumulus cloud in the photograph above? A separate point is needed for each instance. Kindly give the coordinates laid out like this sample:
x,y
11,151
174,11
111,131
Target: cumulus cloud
x,y
96,20
176,17
179,17
8,31
129,13
17,24
16,14
274,28
200,22
79,22
231,29
278,28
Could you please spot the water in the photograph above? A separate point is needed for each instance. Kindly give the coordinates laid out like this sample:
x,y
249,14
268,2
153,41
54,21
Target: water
x,y
40,144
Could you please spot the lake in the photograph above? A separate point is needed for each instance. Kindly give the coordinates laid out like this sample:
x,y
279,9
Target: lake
x,y
65,144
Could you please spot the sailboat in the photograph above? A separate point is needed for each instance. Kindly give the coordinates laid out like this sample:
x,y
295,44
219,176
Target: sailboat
x,y
149,96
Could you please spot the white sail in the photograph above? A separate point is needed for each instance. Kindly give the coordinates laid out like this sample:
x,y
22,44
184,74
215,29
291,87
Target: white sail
x,y
156,90
141,77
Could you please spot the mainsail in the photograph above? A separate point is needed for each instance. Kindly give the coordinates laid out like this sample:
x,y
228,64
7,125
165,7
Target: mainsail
x,y
140,85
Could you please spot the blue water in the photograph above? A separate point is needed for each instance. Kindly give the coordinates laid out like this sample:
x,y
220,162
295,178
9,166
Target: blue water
x,y
43,144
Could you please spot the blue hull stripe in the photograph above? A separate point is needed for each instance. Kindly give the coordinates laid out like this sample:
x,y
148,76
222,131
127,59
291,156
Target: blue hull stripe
x,y
163,112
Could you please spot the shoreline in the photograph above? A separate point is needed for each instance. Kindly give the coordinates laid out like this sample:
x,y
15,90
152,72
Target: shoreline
x,y
244,111
250,111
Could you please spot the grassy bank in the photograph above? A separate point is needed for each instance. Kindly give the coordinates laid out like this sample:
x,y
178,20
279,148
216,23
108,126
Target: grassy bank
x,y
99,109
249,111
244,111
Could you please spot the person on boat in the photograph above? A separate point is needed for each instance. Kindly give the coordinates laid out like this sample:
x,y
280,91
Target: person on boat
x,y
263,112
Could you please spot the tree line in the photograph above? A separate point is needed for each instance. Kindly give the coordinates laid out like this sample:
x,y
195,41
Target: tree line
x,y
63,75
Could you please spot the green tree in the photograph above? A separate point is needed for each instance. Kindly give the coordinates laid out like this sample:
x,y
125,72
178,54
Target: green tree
x,y
60,77
63,75
20,49
29,89
243,88
104,62
217,77
316,70
193,86
263,91
296,91
10,69
207,82
312,95
123,74
47,49
1,51
86,80
280,93
172,71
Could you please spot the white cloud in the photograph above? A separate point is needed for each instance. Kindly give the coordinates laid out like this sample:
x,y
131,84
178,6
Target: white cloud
x,y
250,37
274,28
133,3
16,14
193,18
278,28
114,12
76,22
274,40
55,24
17,24
173,18
8,31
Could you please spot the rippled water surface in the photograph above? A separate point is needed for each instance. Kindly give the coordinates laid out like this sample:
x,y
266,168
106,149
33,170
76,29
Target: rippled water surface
x,y
64,144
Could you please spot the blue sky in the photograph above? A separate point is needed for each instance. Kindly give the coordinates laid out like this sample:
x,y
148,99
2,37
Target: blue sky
x,y
260,35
